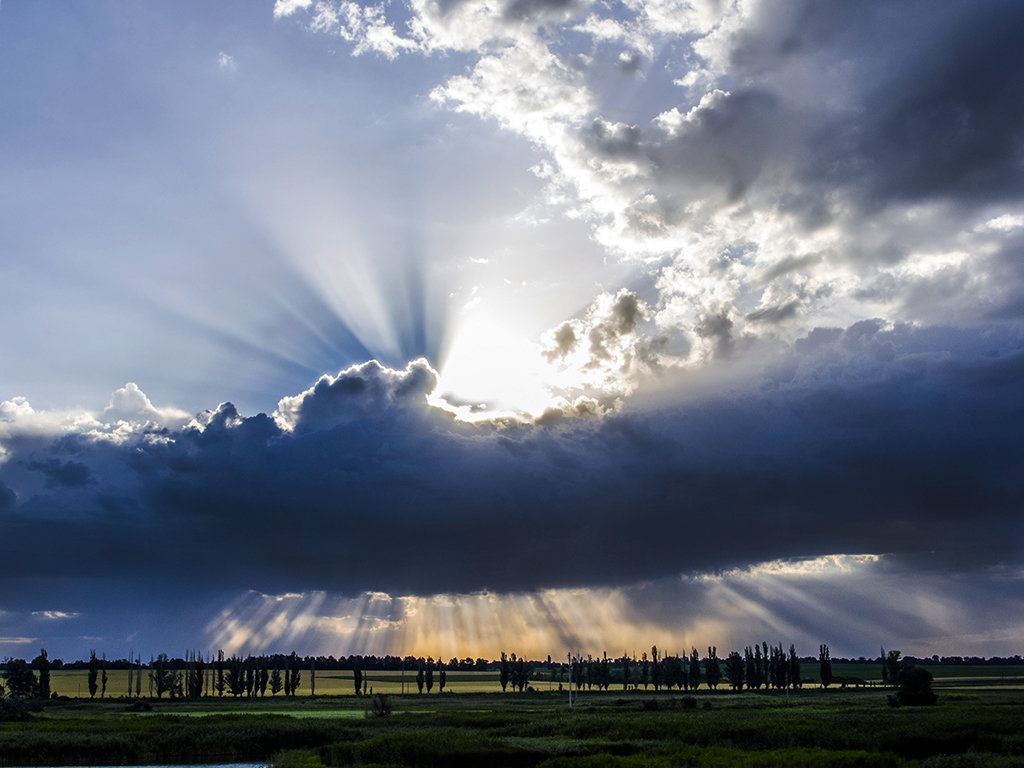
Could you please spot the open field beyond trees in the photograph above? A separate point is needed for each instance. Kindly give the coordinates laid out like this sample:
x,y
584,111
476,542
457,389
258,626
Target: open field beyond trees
x,y
976,723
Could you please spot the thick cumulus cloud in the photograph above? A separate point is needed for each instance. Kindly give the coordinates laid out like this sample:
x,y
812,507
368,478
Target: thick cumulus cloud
x,y
778,166
870,439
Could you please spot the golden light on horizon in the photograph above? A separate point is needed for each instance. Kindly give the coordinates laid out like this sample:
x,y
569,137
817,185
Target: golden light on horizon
x,y
731,607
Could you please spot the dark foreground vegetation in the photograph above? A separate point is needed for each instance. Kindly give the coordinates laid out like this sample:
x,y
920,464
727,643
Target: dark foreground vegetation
x,y
971,726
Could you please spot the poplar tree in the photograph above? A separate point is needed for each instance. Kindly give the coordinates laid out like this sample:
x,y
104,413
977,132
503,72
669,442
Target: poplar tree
x,y
44,674
503,675
713,671
694,670
295,673
357,679
219,686
94,671
264,677
734,666
655,668
824,666
794,668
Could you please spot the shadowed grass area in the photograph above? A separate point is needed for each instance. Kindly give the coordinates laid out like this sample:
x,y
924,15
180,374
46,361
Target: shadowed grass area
x,y
808,727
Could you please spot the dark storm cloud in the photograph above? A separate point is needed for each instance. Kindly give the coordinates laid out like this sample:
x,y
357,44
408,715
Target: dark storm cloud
x,y
931,105
7,497
867,440
62,473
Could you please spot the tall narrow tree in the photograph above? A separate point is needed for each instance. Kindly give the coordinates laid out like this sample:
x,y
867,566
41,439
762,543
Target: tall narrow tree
x,y
794,668
94,672
712,671
504,672
43,661
655,668
734,668
824,666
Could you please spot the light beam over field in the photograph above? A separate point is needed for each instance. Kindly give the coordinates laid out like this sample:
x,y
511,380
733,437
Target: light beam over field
x,y
781,600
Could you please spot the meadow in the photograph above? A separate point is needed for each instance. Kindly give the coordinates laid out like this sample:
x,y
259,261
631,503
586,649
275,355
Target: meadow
x,y
977,723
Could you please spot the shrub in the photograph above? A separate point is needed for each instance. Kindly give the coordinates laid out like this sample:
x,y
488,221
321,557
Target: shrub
x,y
916,687
380,705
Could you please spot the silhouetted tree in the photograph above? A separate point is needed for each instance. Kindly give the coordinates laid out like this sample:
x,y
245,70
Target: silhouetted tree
x,y
295,673
794,667
505,672
43,662
419,679
430,674
712,671
21,681
312,676
766,677
694,670
264,677
94,673
219,666
235,676
625,671
824,666
751,667
357,679
195,677
161,675
103,677
890,667
734,670
655,668
520,673
276,682
442,678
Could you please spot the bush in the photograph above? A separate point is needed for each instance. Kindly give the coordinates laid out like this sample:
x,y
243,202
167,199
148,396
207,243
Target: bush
x,y
916,687
380,705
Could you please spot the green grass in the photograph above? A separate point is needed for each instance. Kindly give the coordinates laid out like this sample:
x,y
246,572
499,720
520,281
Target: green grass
x,y
835,727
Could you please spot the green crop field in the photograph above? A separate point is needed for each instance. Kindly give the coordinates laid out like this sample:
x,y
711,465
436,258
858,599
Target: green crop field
x,y
75,683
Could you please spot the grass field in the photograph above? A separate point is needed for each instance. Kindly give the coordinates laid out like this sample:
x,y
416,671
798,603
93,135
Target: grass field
x,y
75,683
977,725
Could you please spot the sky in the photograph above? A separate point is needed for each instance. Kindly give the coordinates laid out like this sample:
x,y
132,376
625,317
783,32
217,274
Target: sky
x,y
450,327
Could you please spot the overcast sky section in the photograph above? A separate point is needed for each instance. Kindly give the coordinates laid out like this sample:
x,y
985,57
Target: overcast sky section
x,y
815,346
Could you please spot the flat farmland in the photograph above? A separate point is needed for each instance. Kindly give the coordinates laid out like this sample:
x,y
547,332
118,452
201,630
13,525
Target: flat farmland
x,y
75,683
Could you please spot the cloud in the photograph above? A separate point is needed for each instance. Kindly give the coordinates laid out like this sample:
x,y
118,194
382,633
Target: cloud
x,y
130,404
796,166
56,615
7,497
227,63
873,439
63,473
366,391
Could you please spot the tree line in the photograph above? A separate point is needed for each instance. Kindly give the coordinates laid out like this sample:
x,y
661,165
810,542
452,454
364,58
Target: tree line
x,y
759,666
